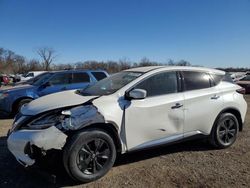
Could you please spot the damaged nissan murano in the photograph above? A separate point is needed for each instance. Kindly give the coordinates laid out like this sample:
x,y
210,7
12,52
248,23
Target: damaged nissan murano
x,y
132,110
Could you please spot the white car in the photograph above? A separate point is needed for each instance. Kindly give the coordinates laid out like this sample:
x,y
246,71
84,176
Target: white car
x,y
131,110
30,75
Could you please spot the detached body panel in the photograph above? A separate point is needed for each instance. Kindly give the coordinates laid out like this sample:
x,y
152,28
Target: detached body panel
x,y
20,143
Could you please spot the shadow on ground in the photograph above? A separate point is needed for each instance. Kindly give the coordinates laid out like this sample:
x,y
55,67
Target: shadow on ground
x,y
14,175
5,116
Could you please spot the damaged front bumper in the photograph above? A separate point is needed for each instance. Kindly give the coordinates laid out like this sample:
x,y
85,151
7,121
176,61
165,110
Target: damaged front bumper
x,y
22,142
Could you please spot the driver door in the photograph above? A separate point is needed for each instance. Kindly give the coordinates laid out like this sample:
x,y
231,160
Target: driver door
x,y
159,118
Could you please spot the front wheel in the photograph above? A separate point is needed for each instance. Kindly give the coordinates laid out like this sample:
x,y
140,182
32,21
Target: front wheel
x,y
89,155
21,103
225,130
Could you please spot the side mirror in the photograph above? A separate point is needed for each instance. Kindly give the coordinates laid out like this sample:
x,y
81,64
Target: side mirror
x,y
137,94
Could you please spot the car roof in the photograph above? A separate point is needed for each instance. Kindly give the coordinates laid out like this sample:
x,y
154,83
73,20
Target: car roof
x,y
36,71
72,71
183,68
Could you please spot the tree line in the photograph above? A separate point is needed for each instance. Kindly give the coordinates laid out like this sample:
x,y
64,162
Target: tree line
x,y
12,63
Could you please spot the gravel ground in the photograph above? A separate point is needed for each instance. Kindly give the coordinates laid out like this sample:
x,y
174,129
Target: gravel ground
x,y
189,164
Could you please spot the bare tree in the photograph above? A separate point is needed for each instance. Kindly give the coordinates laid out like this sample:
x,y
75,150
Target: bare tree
x,y
47,55
146,62
19,64
33,65
183,63
124,63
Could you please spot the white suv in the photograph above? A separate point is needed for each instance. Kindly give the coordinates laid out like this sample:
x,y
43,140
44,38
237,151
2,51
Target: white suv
x,y
131,110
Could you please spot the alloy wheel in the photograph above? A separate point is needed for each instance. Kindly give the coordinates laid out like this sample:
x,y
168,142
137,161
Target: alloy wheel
x,y
227,131
93,156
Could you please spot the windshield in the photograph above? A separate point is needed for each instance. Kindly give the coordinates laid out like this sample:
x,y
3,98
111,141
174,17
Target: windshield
x,y
29,74
111,84
41,79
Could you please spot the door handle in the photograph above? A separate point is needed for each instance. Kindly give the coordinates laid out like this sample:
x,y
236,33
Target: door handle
x,y
177,105
215,97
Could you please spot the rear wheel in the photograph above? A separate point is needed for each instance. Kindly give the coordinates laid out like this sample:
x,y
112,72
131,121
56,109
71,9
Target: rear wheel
x,y
89,155
225,131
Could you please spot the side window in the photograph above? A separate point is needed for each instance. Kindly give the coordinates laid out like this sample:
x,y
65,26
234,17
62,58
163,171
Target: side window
x,y
30,74
80,77
217,78
196,80
59,79
160,84
228,78
99,75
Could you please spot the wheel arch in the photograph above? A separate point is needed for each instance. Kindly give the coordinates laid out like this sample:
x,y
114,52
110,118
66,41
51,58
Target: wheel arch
x,y
108,128
16,102
233,111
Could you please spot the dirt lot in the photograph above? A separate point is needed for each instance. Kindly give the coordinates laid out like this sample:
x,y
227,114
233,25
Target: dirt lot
x,y
190,164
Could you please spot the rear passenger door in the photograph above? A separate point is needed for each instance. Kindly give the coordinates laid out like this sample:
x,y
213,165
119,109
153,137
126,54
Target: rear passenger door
x,y
80,80
202,102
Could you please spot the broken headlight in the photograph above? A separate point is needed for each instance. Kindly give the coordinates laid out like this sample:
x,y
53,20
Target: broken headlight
x,y
45,121
69,119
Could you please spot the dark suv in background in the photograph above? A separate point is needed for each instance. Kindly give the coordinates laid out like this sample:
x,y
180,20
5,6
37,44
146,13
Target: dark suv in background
x,y
12,99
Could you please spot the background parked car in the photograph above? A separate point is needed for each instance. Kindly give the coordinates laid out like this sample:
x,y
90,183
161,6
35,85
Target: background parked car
x,y
11,100
31,80
30,75
237,75
245,82
4,79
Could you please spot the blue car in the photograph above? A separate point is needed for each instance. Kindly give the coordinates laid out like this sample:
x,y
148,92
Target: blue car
x,y
11,100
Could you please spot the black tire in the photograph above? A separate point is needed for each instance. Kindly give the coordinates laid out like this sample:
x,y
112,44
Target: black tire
x,y
80,158
225,131
21,103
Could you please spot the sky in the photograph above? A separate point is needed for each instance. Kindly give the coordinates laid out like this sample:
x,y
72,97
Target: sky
x,y
212,33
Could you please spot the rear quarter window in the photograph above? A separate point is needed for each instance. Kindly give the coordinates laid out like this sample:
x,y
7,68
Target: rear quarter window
x,y
99,75
217,78
196,80
227,78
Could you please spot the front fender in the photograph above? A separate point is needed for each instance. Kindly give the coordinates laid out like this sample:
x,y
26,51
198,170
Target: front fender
x,y
32,94
81,116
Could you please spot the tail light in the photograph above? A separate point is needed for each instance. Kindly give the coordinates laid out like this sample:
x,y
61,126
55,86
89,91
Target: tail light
x,y
241,91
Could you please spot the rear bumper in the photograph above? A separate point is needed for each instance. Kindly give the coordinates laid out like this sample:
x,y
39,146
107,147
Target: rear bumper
x,y
22,142
247,87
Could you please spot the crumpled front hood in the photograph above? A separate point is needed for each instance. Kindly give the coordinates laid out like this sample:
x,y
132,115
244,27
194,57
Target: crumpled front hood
x,y
54,101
